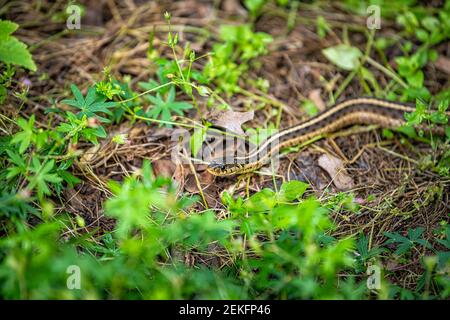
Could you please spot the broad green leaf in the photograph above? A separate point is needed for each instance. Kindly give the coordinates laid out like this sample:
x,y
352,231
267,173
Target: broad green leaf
x,y
15,52
416,79
197,140
91,105
161,109
293,190
344,56
6,28
25,136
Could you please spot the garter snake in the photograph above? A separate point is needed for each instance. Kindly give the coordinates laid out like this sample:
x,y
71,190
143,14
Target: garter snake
x,y
384,113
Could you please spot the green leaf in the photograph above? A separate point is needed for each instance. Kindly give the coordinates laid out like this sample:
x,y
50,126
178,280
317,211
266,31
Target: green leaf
x,y
3,93
310,107
90,106
15,52
163,110
25,136
254,6
197,140
344,56
416,79
19,166
430,23
6,28
322,27
43,173
293,190
203,91
406,243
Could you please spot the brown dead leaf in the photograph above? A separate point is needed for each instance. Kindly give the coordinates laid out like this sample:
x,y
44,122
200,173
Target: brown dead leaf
x,y
178,175
159,133
443,64
307,170
163,167
135,132
167,168
233,7
205,178
231,121
314,96
335,168
89,155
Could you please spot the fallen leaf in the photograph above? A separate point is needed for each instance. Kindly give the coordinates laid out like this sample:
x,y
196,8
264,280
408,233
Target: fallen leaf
x,y
443,64
159,133
164,167
307,170
231,121
314,96
135,132
89,155
335,168
178,176
205,178
233,7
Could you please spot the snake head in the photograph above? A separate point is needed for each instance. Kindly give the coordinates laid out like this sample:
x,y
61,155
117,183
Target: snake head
x,y
218,168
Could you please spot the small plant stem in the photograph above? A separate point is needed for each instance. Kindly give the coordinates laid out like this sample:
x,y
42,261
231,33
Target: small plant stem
x,y
345,83
399,155
197,181
387,71
148,91
265,99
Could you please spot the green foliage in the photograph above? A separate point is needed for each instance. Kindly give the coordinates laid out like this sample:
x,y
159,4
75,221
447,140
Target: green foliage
x,y
75,128
423,114
231,58
14,205
322,27
91,105
12,50
254,6
259,135
163,108
289,259
292,263
425,117
310,108
24,137
365,253
405,244
430,30
44,173
13,53
343,201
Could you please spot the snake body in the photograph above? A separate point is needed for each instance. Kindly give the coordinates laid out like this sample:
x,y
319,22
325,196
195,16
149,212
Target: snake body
x,y
384,113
